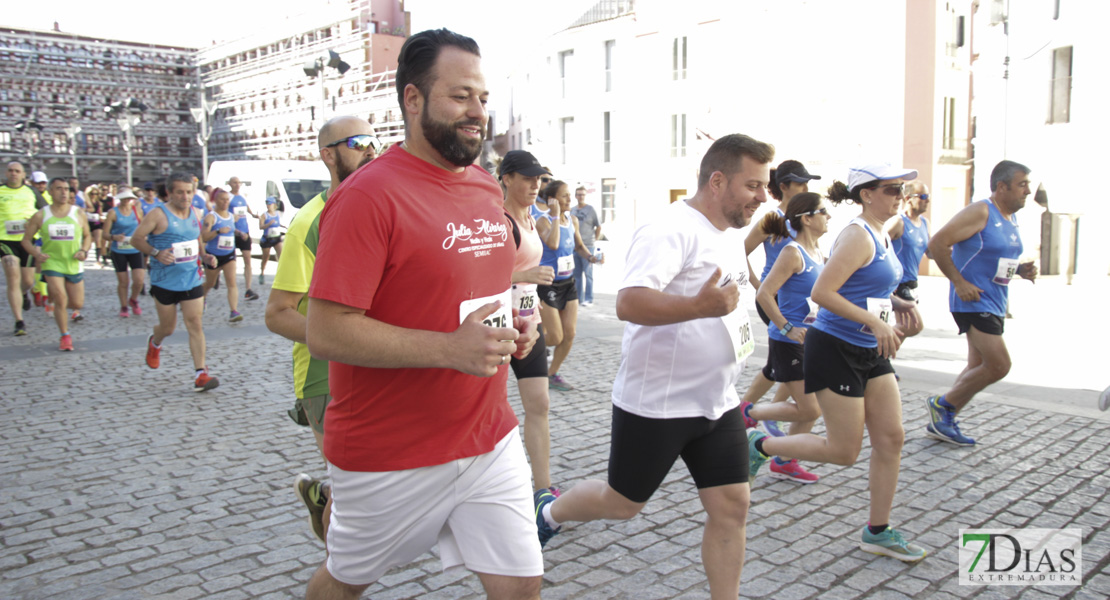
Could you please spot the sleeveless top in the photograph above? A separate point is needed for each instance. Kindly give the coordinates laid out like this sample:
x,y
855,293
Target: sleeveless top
x,y
125,224
180,236
270,226
149,206
562,258
988,260
794,302
772,248
869,285
61,239
528,255
224,243
911,246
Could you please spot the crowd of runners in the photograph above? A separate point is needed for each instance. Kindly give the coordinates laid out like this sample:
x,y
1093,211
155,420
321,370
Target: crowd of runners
x,y
417,281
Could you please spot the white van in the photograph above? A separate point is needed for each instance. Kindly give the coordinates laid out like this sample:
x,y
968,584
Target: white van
x,y
292,182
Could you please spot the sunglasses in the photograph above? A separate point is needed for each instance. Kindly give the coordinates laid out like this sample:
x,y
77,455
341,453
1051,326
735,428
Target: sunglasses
x,y
359,143
819,211
893,190
922,196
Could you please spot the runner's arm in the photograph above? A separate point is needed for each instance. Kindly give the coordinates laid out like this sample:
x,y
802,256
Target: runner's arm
x,y
282,316
894,227
648,306
790,261
968,222
207,230
146,227
755,237
29,231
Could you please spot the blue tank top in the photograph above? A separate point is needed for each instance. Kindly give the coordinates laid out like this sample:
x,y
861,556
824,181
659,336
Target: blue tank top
x,y
877,279
911,247
224,243
794,295
181,236
125,224
772,248
270,226
981,260
238,201
561,259
149,206
199,204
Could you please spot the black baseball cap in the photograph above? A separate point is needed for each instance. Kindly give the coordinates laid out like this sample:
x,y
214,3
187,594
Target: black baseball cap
x,y
148,186
519,161
792,170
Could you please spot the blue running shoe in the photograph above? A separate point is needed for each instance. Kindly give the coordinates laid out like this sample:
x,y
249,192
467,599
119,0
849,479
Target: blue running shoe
x,y
773,428
542,498
934,409
755,457
943,424
891,543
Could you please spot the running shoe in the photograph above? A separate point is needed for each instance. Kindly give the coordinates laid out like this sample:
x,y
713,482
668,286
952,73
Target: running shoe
x,y
1103,399
48,305
555,491
556,382
773,428
261,279
135,308
26,301
39,299
891,543
749,422
123,314
755,457
66,344
77,316
943,424
204,382
310,492
235,317
20,328
250,295
152,353
792,471
542,498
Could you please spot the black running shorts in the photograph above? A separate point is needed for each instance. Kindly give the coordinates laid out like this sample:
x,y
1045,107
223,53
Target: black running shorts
x,y
533,365
786,360
558,294
123,261
834,364
985,322
170,297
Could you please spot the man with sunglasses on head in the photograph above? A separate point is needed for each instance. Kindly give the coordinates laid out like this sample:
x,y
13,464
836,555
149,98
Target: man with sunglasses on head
x,y
909,233
979,251
346,143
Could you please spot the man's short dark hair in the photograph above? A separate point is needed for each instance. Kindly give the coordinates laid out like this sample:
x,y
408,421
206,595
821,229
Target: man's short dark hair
x,y
1005,171
57,179
185,178
725,154
417,60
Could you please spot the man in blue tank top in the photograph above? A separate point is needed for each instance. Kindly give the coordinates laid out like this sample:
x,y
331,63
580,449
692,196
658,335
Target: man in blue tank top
x,y
170,235
909,235
979,252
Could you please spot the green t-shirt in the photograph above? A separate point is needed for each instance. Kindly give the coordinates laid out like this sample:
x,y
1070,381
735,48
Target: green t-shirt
x,y
16,206
61,239
294,274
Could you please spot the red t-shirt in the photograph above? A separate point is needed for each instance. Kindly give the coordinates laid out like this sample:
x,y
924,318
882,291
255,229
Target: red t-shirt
x,y
408,242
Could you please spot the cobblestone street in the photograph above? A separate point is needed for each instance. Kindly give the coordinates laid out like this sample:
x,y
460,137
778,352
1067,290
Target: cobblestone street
x,y
121,483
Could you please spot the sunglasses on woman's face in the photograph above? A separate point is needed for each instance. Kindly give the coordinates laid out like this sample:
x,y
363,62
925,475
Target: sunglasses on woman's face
x,y
893,190
819,211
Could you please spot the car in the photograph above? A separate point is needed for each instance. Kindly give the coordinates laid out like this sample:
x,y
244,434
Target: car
x,y
292,182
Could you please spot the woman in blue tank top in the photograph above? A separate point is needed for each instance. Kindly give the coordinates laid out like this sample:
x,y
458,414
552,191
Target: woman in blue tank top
x,y
559,301
218,233
848,351
272,237
785,296
120,225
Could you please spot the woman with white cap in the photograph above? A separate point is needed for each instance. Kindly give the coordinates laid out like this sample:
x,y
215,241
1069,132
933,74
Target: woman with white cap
x,y
848,351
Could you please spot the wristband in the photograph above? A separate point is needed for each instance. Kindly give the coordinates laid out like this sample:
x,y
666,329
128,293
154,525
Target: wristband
x,y
155,253
786,329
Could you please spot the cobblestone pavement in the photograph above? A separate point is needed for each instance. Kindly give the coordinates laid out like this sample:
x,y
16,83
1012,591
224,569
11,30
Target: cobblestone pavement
x,y
120,482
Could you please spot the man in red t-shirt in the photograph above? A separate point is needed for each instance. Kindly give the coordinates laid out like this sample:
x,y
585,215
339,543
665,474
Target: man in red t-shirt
x,y
410,301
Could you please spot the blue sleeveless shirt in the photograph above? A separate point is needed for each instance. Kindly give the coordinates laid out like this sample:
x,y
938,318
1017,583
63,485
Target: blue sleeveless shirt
x,y
980,258
125,224
771,248
794,294
184,274
561,259
911,246
227,240
877,279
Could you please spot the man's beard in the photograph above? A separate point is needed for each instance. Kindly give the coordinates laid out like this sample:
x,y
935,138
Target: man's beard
x,y
344,172
445,138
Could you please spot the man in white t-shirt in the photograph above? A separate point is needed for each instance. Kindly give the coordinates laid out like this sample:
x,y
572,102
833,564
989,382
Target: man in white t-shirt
x,y
684,348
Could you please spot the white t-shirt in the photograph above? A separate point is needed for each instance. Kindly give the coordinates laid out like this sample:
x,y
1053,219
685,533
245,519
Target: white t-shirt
x,y
686,369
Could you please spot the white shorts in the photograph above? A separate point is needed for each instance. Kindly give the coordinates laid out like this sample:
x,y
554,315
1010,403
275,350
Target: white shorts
x,y
479,510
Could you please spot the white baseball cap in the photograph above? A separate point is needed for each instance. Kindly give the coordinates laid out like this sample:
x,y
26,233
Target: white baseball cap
x,y
38,177
858,176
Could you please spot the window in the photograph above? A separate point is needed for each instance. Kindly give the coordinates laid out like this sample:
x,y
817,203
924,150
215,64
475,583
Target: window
x,y
678,135
605,137
678,59
565,58
608,200
948,134
610,46
1059,100
61,145
566,131
5,140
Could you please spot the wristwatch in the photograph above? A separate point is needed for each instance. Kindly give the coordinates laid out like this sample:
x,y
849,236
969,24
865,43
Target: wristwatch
x,y
786,329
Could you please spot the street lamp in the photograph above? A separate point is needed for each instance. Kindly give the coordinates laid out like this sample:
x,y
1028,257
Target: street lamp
x,y
71,133
203,117
127,114
316,68
31,130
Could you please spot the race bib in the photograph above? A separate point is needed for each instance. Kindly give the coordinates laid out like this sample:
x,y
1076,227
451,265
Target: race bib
x,y
1007,270
239,211
184,252
566,266
525,298
880,307
124,245
739,327
502,317
61,232
813,308
273,233
225,242
15,227
93,217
